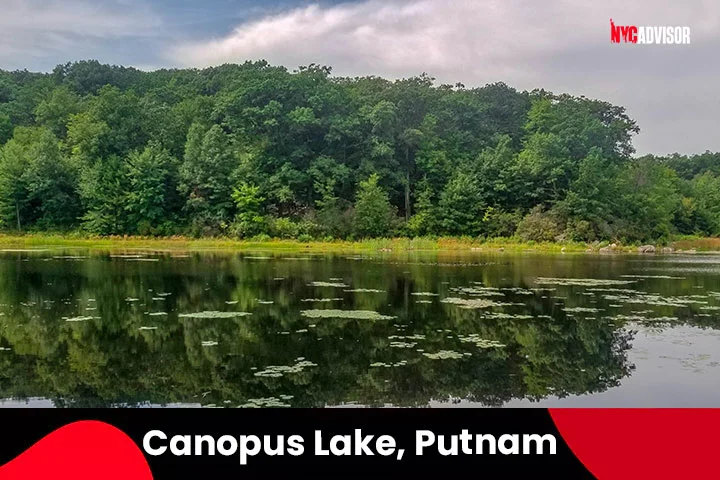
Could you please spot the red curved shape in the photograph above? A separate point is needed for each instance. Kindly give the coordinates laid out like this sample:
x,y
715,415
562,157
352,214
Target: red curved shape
x,y
80,451
643,443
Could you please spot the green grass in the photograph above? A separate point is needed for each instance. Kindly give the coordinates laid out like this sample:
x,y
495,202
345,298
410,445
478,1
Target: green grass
x,y
185,243
30,241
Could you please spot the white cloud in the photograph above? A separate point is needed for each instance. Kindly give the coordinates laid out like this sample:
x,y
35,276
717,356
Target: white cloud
x,y
33,28
561,45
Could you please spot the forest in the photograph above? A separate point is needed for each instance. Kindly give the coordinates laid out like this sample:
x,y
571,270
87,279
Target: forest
x,y
257,151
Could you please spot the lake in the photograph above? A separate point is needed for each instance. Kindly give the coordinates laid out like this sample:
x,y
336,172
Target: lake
x,y
85,328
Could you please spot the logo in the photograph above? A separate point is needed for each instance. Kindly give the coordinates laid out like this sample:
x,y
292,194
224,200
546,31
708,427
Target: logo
x,y
649,35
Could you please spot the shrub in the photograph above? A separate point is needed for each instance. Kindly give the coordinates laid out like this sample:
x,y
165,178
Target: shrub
x,y
499,223
262,237
579,231
540,226
283,228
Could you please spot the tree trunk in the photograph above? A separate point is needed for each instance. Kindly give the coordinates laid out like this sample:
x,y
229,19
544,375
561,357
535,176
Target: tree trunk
x,y
407,196
407,184
17,213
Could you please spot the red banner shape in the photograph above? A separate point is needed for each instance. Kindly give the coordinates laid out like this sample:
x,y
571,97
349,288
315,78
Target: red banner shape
x,y
635,444
80,451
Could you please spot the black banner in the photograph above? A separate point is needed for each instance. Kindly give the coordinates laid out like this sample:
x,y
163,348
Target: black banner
x,y
452,431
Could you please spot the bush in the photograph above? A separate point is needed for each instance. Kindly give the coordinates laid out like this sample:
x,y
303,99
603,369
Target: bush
x,y
305,238
498,223
540,226
244,228
580,231
283,228
207,225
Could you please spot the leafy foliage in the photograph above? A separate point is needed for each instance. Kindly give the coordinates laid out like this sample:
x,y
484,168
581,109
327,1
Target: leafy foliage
x,y
255,149
373,212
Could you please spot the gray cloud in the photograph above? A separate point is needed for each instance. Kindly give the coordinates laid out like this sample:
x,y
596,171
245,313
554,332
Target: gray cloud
x,y
31,30
560,45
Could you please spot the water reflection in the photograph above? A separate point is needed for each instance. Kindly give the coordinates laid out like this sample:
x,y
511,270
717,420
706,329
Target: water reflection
x,y
221,329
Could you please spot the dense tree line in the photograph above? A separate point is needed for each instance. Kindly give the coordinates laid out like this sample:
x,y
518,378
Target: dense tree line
x,y
254,150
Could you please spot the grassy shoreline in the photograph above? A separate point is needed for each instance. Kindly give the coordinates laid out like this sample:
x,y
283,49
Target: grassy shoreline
x,y
30,241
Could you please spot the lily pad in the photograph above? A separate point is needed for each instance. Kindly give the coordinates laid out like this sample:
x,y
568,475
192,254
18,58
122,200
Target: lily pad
x,y
214,314
352,314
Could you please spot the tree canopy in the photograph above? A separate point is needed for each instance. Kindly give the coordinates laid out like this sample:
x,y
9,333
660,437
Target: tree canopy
x,y
254,149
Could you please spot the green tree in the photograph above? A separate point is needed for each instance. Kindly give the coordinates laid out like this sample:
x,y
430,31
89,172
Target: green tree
x,y
104,190
460,208
249,220
649,199
13,190
373,212
425,220
55,111
306,138
52,183
152,199
330,210
39,184
594,199
206,175
706,195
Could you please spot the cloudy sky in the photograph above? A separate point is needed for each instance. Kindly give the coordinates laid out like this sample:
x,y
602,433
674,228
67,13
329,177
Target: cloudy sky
x,y
673,91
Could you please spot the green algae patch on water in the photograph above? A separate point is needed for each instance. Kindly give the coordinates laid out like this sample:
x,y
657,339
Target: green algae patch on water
x,y
214,314
582,310
653,299
267,402
446,355
581,282
640,319
473,303
662,277
479,291
277,371
80,319
509,316
417,336
402,344
349,314
480,342
401,363
328,284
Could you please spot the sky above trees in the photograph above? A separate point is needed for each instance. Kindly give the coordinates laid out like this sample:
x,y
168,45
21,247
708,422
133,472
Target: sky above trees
x,y
672,91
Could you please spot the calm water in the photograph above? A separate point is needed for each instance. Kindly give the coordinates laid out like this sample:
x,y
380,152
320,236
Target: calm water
x,y
80,328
